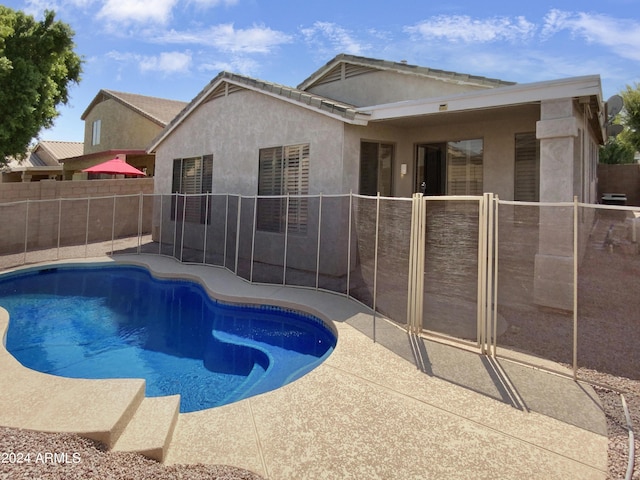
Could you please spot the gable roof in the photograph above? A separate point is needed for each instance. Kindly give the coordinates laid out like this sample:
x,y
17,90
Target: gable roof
x,y
47,153
226,83
355,65
57,150
159,110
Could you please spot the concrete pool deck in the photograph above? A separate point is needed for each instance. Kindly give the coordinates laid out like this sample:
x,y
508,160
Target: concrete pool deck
x,y
367,412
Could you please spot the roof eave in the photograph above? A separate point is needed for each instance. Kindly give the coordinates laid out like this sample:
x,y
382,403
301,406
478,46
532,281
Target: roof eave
x,y
402,68
358,117
491,98
39,168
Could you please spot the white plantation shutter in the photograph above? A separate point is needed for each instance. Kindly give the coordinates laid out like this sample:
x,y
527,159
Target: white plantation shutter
x,y
192,176
191,185
282,171
270,183
296,182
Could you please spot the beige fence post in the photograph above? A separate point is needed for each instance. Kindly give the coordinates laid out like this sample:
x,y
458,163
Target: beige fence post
x,y
415,293
575,287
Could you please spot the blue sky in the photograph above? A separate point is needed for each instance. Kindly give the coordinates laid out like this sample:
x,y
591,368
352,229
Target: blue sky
x,y
173,48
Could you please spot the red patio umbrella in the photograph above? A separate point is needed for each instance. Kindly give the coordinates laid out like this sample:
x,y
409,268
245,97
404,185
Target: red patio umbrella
x,y
115,166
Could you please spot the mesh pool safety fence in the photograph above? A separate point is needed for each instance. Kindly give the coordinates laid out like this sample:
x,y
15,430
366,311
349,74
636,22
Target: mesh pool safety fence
x,y
536,282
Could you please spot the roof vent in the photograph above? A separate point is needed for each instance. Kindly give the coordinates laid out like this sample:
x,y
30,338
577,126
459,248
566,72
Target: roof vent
x,y
404,62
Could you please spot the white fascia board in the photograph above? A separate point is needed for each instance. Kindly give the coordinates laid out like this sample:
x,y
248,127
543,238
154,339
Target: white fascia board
x,y
490,98
41,168
360,118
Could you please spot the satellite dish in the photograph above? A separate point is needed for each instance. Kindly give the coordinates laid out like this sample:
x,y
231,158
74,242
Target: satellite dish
x,y
614,130
614,106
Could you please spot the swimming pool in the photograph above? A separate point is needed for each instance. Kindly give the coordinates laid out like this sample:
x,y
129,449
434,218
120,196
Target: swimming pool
x,y
119,321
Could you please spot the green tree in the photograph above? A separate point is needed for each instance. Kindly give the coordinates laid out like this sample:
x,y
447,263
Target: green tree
x,y
622,148
616,151
37,67
630,116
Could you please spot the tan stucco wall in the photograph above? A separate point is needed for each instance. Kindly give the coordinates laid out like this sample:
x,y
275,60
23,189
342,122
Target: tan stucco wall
x,y
497,128
121,128
379,87
236,127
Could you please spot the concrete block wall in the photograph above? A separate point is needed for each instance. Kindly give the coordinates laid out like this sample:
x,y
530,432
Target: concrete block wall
x,y
61,209
52,189
620,179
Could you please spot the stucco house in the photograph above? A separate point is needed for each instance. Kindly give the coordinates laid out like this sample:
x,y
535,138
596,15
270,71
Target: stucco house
x,y
121,124
371,126
42,162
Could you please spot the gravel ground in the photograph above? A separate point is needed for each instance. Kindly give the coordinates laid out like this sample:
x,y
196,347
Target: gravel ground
x,y
56,456
617,429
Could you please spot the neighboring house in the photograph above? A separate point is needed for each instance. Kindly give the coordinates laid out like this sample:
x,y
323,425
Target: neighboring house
x,y
121,124
371,126
41,163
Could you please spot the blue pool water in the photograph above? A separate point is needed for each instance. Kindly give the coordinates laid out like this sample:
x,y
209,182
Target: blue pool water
x,y
120,322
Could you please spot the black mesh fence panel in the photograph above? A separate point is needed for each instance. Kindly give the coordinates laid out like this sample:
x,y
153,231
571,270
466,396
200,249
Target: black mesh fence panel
x,y
302,245
535,282
334,244
245,244
42,230
608,289
164,224
12,238
269,246
233,204
361,282
216,228
394,235
451,268
73,228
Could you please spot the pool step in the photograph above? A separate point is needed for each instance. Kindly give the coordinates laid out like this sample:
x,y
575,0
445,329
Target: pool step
x,y
150,430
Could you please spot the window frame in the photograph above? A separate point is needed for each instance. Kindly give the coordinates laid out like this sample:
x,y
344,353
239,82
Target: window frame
x,y
192,206
96,128
283,171
384,184
520,169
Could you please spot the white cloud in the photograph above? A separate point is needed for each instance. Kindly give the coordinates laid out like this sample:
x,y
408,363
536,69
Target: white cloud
x,y
165,62
38,7
462,28
621,35
340,39
242,65
226,38
213,3
136,11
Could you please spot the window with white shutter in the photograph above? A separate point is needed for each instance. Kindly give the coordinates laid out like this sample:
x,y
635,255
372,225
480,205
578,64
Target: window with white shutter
x,y
283,171
192,176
